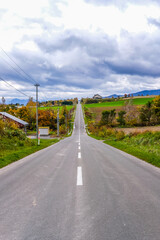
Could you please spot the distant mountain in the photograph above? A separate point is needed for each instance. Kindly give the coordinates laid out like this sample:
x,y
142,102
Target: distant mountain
x,y
147,92
17,100
144,93
114,96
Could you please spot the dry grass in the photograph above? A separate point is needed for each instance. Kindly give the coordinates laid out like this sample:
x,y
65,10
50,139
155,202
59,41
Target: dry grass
x,y
150,96
139,129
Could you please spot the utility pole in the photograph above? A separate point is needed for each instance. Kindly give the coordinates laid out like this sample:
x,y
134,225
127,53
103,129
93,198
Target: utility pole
x,y
58,122
66,121
37,134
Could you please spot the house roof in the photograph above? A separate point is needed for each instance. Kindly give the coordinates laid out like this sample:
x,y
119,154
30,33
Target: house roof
x,y
97,95
14,118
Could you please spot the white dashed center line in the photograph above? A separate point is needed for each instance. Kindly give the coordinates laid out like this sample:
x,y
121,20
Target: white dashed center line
x,y
79,155
79,176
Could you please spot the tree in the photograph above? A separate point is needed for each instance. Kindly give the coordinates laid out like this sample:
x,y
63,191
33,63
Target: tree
x,y
112,115
105,117
121,118
108,117
31,103
156,108
132,113
146,113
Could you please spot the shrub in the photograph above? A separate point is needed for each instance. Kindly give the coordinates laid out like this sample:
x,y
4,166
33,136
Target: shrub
x,y
111,132
2,127
120,135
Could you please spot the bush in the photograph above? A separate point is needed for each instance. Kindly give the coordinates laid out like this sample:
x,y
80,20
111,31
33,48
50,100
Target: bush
x,y
2,127
91,100
111,132
120,135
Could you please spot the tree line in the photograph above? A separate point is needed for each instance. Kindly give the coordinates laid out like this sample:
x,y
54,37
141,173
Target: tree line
x,y
46,117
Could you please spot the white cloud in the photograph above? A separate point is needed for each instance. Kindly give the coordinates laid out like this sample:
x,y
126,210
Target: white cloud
x,y
82,45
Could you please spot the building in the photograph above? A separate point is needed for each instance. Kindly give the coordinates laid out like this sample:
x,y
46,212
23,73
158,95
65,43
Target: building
x,y
97,96
20,123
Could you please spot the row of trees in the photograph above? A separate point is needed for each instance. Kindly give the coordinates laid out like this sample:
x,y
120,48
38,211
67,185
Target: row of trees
x,y
45,117
72,101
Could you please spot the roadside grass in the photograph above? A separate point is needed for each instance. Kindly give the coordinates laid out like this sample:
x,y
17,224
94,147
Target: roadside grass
x,y
13,149
145,146
135,101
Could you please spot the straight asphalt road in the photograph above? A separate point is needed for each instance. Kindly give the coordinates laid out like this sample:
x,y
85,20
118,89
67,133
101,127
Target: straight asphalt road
x,y
80,189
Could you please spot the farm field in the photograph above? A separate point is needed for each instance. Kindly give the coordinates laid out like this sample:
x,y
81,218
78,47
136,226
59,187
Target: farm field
x,y
135,101
98,108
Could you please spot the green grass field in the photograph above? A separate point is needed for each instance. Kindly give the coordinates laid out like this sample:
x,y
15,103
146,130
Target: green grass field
x,y
136,101
16,149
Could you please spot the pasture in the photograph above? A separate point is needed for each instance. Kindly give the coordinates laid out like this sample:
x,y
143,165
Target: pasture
x,y
119,103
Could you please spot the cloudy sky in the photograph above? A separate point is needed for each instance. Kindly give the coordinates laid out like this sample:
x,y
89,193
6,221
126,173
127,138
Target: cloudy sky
x,y
76,48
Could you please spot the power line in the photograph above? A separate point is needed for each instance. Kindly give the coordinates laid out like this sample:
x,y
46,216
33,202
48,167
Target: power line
x,y
13,87
18,66
20,74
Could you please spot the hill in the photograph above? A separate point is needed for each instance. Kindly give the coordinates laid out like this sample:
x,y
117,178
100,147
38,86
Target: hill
x,y
141,93
147,92
17,100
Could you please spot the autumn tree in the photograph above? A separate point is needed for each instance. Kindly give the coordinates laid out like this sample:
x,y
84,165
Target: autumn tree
x,y
156,108
31,103
132,113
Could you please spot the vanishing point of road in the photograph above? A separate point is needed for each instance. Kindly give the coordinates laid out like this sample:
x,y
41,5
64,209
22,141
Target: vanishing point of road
x,y
80,189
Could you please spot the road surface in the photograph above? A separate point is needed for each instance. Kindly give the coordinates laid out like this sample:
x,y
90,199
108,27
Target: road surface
x,y
80,189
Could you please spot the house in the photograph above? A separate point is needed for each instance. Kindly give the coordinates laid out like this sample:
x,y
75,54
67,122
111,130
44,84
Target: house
x,y
20,123
97,96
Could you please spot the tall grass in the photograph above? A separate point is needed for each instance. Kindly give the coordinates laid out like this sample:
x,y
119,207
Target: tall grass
x,y
15,145
145,145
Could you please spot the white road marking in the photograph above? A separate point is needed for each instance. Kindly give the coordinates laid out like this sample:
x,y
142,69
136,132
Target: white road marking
x,y
79,147
79,176
79,155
